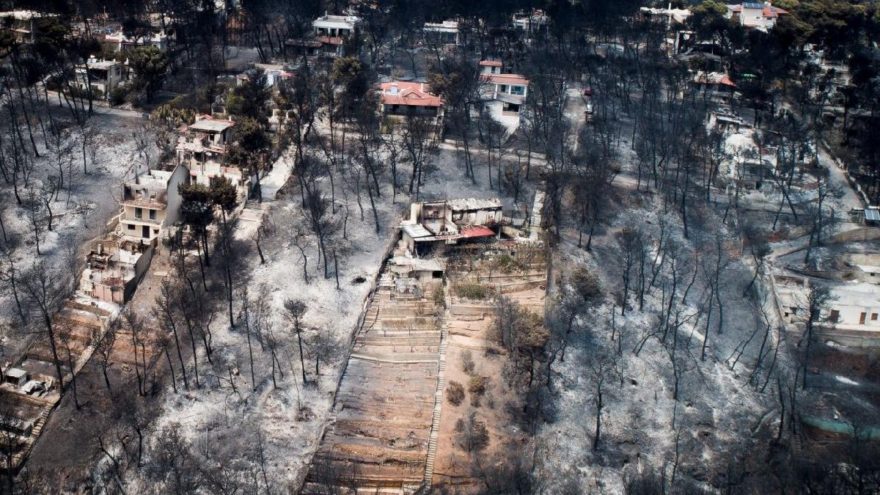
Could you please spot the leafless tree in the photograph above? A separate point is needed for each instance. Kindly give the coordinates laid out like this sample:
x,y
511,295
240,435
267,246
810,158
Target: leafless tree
x,y
165,311
817,298
103,343
47,292
295,310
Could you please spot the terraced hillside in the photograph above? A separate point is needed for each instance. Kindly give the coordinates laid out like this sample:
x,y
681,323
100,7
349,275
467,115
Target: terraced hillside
x,y
379,435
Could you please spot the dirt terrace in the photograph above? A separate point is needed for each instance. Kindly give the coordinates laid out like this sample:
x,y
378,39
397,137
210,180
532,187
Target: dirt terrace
x,y
23,416
519,273
391,425
382,421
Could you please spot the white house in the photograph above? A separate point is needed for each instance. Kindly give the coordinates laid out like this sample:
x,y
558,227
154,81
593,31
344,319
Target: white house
x,y
204,140
331,31
755,15
21,23
150,202
851,316
102,75
120,42
530,22
341,26
490,66
510,89
443,33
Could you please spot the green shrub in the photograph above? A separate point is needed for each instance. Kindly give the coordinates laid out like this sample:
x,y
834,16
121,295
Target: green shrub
x,y
472,291
117,95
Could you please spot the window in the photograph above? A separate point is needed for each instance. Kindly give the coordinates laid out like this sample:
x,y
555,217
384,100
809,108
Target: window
x,y
517,90
503,88
130,227
873,316
835,316
152,214
138,213
862,318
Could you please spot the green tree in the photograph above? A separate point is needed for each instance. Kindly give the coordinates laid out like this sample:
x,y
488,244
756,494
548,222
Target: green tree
x,y
709,21
250,149
150,66
249,98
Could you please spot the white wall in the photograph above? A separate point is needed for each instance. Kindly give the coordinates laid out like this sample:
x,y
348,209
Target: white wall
x,y
179,177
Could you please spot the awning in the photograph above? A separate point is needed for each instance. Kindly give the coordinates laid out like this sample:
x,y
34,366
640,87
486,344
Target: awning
x,y
477,231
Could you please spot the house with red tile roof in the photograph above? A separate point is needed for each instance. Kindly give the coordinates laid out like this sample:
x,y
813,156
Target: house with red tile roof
x,y
490,66
404,98
510,89
755,15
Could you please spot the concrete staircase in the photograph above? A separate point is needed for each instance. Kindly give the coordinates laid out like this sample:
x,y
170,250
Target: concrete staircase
x,y
438,403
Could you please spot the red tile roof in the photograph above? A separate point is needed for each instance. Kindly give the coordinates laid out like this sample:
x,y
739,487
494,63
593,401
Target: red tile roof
x,y
330,40
408,93
514,79
477,231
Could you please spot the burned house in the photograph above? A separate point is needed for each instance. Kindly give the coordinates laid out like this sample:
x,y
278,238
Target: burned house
x,y
852,315
202,148
151,202
441,33
121,42
332,31
102,76
449,222
114,267
23,25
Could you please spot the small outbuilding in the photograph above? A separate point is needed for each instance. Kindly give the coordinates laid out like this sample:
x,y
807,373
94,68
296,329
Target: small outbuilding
x,y
15,376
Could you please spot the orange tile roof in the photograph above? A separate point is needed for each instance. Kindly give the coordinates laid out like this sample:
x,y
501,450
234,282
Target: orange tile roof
x,y
330,40
505,79
408,93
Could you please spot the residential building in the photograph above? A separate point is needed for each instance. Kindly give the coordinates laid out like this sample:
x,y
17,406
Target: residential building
x,y
449,222
114,267
341,26
151,202
864,267
509,89
755,15
120,42
853,310
530,22
206,139
23,24
103,76
332,31
297,47
409,98
202,148
275,73
716,84
441,33
491,66
670,15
